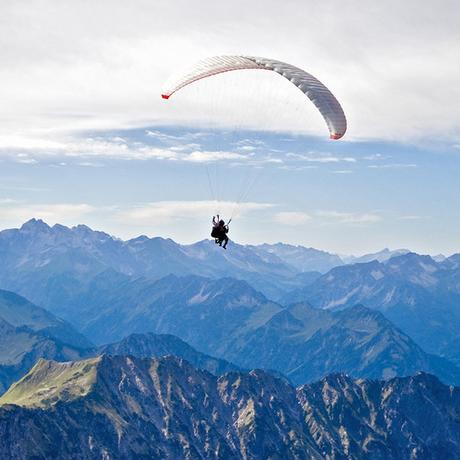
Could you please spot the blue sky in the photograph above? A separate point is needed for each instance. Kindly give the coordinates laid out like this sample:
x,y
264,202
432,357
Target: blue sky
x,y
85,137
342,196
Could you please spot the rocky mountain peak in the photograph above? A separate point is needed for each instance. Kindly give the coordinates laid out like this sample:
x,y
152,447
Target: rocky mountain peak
x,y
35,225
50,382
164,408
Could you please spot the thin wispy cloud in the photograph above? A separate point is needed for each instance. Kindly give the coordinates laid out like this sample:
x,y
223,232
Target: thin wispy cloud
x,y
163,212
413,217
320,158
292,218
24,158
206,157
54,213
393,166
348,217
183,138
375,157
89,164
113,148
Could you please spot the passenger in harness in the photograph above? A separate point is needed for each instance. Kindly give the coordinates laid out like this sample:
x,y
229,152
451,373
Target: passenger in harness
x,y
219,231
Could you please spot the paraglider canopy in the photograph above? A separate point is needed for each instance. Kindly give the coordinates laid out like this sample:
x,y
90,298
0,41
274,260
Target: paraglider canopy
x,y
317,92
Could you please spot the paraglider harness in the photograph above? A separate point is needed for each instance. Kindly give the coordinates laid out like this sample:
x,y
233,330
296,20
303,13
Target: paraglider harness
x,y
219,231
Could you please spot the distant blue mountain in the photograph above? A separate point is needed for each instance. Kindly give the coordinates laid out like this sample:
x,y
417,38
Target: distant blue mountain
x,y
301,258
27,333
34,333
40,261
306,344
218,301
19,312
380,256
229,319
419,294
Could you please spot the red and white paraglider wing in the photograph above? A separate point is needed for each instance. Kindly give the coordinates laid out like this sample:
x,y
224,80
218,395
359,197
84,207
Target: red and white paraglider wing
x,y
207,68
319,94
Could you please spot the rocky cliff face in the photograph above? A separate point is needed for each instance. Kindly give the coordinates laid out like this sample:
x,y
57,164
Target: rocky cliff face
x,y
122,407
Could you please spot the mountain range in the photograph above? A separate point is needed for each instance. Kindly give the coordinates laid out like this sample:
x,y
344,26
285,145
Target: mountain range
x,y
125,407
21,348
229,319
39,261
420,295
63,258
142,348
380,256
108,288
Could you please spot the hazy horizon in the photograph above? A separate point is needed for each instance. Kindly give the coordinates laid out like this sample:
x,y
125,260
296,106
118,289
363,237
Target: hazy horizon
x,y
208,238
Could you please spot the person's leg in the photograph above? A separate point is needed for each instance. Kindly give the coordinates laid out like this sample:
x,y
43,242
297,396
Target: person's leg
x,y
226,242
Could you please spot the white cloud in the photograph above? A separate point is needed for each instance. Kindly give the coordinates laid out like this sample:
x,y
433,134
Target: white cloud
x,y
413,217
393,166
185,147
348,217
182,139
25,159
164,212
374,157
186,221
320,158
31,150
247,148
53,213
88,164
23,188
396,79
293,218
296,218
206,157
